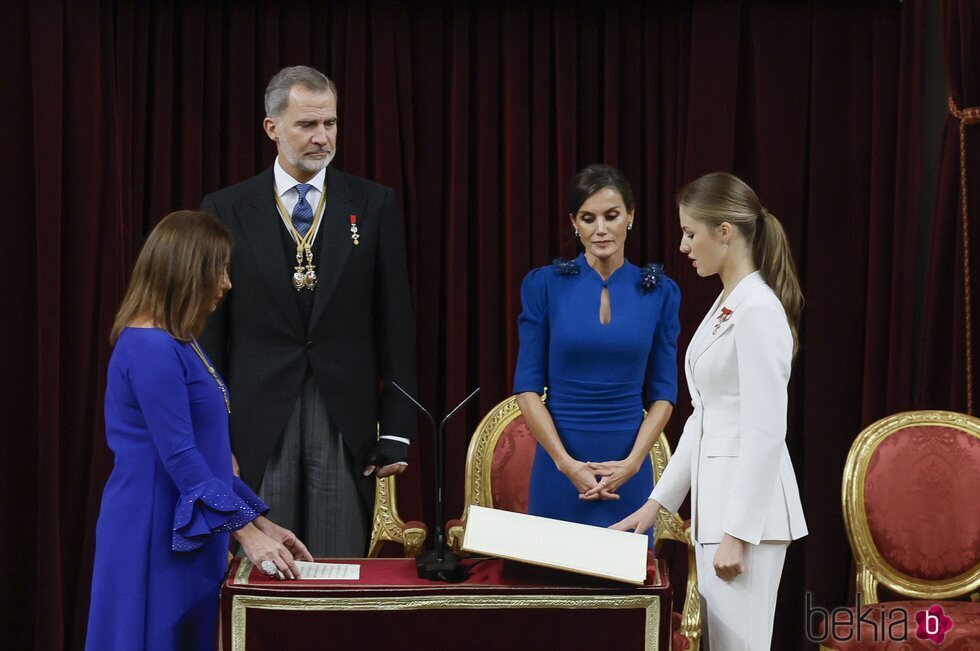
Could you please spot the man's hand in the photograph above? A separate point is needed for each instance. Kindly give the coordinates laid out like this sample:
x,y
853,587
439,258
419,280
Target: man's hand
x,y
387,457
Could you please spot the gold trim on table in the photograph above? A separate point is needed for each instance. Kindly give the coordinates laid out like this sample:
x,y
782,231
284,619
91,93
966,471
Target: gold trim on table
x,y
241,603
244,569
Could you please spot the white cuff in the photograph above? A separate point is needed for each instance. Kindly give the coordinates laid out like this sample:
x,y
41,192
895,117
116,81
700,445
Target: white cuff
x,y
400,439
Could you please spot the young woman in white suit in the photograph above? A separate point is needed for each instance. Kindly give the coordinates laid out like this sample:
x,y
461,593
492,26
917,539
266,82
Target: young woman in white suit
x,y
732,455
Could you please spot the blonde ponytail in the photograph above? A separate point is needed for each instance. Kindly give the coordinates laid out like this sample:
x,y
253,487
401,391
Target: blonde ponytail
x,y
720,197
773,258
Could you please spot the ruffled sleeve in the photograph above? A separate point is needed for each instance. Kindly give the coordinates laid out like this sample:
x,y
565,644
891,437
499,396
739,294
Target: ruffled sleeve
x,y
661,374
214,508
207,505
531,373
248,496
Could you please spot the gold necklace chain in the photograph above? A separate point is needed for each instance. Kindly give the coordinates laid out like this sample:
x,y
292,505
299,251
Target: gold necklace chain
x,y
303,278
302,240
214,373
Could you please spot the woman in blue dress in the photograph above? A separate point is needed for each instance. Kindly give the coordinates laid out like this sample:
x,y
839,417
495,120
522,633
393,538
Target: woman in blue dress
x,y
172,499
601,335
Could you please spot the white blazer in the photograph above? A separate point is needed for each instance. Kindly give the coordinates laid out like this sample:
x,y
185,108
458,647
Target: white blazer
x,y
732,456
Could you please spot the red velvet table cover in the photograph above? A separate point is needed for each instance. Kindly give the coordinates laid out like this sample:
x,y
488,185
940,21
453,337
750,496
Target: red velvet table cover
x,y
503,605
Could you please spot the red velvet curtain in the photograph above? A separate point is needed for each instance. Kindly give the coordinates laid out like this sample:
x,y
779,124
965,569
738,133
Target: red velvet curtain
x,y
945,344
477,114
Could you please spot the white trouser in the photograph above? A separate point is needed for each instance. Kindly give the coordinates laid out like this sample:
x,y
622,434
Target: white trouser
x,y
739,613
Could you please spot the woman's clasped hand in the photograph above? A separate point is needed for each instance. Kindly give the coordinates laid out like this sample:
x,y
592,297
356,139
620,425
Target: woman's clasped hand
x,y
607,477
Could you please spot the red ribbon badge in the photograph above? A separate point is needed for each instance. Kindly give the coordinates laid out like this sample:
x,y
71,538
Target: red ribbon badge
x,y
724,316
353,230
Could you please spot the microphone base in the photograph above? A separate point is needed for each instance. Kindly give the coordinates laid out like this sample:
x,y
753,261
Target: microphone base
x,y
448,570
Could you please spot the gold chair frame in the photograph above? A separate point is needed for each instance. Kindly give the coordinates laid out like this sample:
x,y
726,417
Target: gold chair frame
x,y
387,524
872,569
670,526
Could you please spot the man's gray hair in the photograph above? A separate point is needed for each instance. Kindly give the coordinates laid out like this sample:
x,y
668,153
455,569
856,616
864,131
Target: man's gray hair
x,y
277,92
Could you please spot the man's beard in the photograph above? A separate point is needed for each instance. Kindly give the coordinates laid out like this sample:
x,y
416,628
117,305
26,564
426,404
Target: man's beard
x,y
310,165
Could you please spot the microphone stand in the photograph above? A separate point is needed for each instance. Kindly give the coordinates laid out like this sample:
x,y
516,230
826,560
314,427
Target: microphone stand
x,y
440,564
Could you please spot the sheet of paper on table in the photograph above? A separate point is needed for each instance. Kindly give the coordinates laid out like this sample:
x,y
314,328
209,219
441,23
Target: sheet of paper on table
x,y
321,571
580,548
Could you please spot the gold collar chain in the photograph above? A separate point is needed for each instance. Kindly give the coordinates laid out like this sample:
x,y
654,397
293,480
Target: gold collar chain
x,y
304,276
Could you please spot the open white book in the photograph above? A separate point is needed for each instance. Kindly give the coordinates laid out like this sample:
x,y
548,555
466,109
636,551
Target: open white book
x,y
580,548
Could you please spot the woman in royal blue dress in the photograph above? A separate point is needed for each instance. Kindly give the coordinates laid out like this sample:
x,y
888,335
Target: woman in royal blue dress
x,y
162,537
601,335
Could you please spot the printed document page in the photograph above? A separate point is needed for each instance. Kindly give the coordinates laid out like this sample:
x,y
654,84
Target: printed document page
x,y
322,571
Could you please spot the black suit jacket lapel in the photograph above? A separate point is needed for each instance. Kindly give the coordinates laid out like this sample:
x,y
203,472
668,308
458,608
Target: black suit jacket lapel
x,y
261,223
336,244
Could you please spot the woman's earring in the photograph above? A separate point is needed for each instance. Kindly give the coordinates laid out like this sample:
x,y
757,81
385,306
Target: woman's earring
x,y
629,226
576,232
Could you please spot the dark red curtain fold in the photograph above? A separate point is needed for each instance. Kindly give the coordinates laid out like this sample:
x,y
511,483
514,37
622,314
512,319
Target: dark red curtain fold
x,y
943,378
477,114
19,355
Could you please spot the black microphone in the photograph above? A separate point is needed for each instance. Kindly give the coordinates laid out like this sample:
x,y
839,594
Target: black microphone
x,y
440,564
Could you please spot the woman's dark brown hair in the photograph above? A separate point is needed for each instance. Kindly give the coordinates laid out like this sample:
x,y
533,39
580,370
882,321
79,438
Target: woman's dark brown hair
x,y
593,178
176,275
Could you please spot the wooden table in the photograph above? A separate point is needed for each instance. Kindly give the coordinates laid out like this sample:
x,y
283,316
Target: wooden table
x,y
503,605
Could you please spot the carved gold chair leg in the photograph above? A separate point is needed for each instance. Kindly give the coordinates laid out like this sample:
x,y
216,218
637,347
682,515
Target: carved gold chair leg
x,y
387,525
670,527
691,614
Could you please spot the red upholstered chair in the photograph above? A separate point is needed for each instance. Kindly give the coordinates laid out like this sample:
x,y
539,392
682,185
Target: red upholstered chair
x,y
911,498
498,475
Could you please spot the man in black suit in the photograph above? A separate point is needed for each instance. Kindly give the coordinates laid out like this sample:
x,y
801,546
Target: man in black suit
x,y
317,326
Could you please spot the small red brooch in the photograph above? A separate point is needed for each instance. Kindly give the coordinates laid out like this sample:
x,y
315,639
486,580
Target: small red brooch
x,y
353,230
725,315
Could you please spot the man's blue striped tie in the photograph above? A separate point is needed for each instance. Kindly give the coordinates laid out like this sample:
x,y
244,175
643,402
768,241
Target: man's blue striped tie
x,y
303,212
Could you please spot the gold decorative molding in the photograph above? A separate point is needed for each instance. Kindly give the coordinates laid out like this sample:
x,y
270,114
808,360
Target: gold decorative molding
x,y
872,568
454,537
241,604
244,569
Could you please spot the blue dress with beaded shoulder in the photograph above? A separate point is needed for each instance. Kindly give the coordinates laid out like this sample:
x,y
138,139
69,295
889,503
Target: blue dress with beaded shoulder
x,y
162,537
599,377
